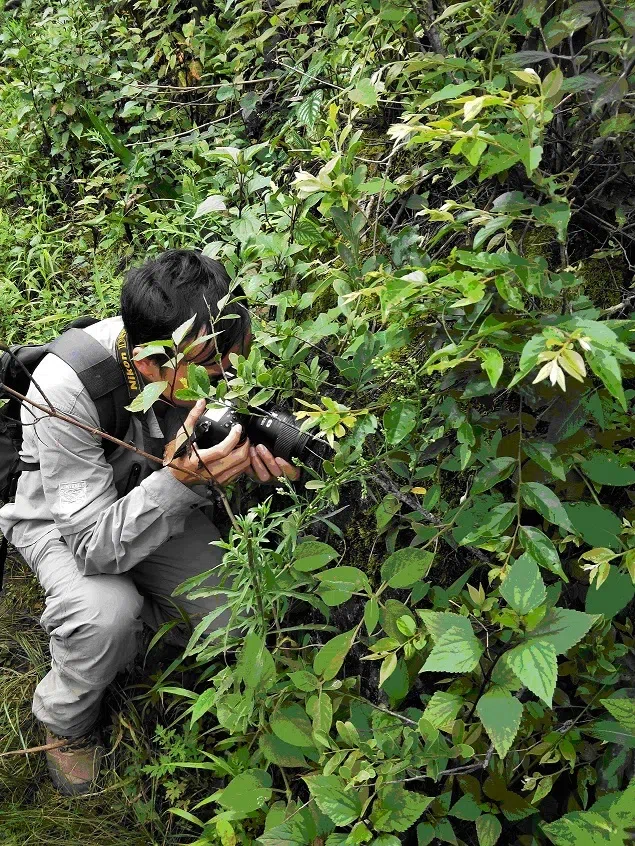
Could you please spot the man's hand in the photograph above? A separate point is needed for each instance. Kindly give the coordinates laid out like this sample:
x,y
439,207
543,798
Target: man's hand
x,y
266,468
221,463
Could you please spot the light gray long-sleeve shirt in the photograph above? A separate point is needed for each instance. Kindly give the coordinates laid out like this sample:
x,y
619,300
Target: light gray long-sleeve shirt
x,y
78,494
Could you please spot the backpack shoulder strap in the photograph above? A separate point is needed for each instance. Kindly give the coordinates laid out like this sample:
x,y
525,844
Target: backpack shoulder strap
x,y
101,375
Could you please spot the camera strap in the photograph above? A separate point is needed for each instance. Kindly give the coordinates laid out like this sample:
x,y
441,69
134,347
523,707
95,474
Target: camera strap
x,y
124,357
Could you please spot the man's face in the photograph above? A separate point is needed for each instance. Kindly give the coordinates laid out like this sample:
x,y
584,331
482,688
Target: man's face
x,y
203,355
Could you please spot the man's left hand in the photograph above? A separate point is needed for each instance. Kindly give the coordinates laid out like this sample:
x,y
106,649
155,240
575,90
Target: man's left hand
x,y
267,468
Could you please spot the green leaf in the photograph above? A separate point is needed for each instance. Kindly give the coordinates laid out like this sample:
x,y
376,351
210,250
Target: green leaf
x,y
215,203
255,662
396,809
348,579
535,664
146,399
606,367
331,656
279,752
488,830
623,710
442,709
492,364
563,628
247,792
612,596
371,615
466,808
597,525
528,358
440,622
524,589
407,566
400,419
541,549
494,472
454,653
556,214
304,680
292,725
543,500
313,555
603,468
343,807
364,93
500,713
610,731
181,331
545,456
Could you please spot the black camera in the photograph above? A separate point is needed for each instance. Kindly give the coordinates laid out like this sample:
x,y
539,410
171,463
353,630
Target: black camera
x,y
272,425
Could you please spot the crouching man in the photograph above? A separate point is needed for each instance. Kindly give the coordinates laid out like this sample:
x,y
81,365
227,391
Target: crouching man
x,y
110,538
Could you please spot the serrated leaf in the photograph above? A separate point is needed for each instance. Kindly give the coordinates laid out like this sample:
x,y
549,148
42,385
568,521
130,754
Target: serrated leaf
x,y
494,472
343,807
563,628
500,713
440,622
442,709
454,653
397,809
523,588
488,830
407,566
623,710
535,664
328,661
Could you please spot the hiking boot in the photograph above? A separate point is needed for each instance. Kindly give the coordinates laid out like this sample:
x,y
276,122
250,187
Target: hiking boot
x,y
74,768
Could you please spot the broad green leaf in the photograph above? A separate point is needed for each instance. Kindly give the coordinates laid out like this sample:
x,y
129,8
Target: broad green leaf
x,y
604,469
406,566
612,596
543,500
449,92
247,792
292,725
623,710
523,588
545,456
442,709
440,622
556,214
597,525
146,399
371,615
364,93
328,661
563,628
340,805
488,830
528,358
255,662
493,525
214,203
203,704
466,808
535,664
388,667
400,419
606,367
181,331
454,653
313,555
494,472
500,713
348,579
304,680
610,731
281,753
397,809
492,363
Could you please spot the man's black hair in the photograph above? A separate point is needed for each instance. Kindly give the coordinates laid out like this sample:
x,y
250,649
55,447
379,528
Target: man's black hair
x,y
166,291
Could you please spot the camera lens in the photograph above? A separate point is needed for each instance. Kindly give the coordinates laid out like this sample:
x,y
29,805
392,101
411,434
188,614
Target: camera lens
x,y
279,431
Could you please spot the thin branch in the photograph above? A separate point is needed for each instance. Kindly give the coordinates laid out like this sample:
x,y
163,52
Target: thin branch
x,y
58,744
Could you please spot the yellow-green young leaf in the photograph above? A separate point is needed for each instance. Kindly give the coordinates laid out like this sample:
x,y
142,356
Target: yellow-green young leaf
x,y
552,83
340,805
454,653
599,555
523,588
440,622
500,713
388,667
328,661
407,566
364,93
494,472
535,664
527,75
623,710
492,363
146,399
488,830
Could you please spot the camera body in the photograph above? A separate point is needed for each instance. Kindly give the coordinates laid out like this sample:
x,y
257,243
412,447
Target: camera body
x,y
271,425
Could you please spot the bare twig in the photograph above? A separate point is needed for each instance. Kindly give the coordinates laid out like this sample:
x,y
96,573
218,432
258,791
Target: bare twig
x,y
57,744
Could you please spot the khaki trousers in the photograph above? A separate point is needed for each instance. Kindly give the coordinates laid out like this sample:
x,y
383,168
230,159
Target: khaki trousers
x,y
94,621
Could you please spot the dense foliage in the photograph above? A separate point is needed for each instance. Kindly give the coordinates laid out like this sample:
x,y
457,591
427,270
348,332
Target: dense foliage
x,y
430,209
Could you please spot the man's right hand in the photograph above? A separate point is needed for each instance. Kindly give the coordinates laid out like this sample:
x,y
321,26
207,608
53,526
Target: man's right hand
x,y
221,463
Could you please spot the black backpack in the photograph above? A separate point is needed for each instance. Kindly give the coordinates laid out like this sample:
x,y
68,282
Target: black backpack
x,y
101,375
